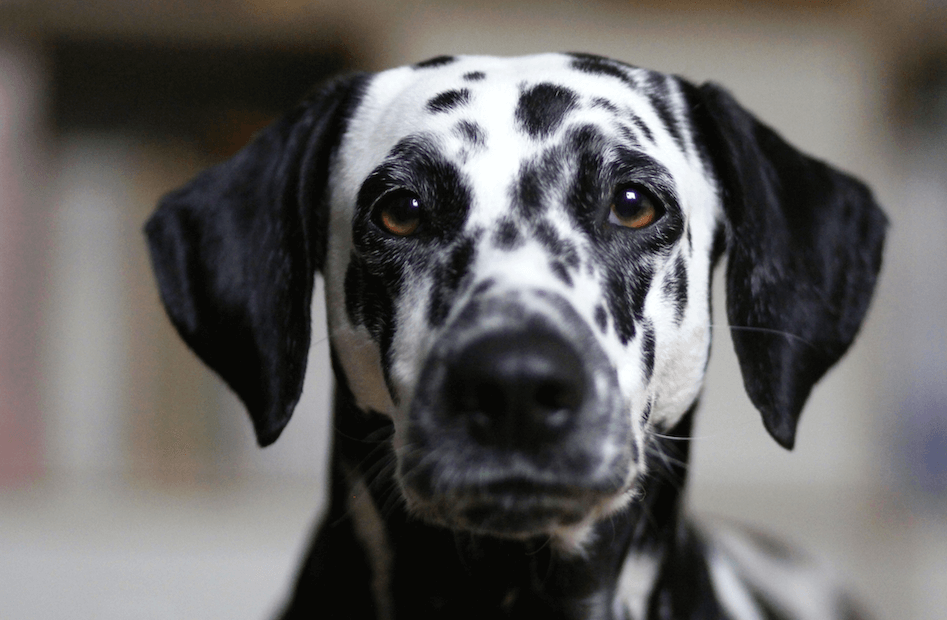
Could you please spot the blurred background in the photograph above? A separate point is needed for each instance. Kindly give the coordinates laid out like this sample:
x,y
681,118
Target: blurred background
x,y
130,482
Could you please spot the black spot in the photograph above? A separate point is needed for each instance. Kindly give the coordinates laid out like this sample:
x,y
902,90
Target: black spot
x,y
596,65
448,279
642,127
601,318
448,100
586,192
560,272
646,413
437,61
472,133
475,76
507,235
647,349
605,104
660,97
562,249
368,300
626,288
586,138
537,178
675,288
629,136
542,108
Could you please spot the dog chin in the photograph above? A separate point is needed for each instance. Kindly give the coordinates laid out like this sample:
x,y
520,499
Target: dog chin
x,y
567,519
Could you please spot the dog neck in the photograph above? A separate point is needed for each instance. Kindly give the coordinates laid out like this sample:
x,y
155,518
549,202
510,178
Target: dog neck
x,y
635,564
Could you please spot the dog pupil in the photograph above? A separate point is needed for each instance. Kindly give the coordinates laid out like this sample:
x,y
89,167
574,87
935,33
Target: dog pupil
x,y
402,215
406,209
630,203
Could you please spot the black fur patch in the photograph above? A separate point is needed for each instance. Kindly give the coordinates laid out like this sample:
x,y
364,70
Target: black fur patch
x,y
626,289
507,235
675,288
605,104
562,249
659,94
368,299
601,318
559,271
448,278
587,192
472,133
475,76
629,136
542,108
642,127
437,61
536,180
596,65
647,349
448,100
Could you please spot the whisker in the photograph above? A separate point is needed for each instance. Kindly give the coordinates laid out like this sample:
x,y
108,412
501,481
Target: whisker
x,y
669,461
319,341
727,432
768,330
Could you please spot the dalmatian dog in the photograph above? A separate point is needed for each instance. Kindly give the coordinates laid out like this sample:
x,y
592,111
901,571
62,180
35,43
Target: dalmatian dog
x,y
517,257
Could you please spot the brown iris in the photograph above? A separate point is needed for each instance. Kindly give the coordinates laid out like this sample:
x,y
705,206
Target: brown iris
x,y
634,207
400,214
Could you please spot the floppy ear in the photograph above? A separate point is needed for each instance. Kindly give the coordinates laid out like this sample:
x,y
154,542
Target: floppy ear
x,y
235,252
804,244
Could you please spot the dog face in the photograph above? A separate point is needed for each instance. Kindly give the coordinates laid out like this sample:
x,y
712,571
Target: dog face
x,y
517,256
517,275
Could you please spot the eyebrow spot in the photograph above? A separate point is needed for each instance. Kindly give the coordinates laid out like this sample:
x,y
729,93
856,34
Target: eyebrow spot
x,y
448,100
472,133
542,108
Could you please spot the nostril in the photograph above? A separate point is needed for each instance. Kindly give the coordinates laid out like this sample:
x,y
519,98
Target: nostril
x,y
556,401
483,403
555,394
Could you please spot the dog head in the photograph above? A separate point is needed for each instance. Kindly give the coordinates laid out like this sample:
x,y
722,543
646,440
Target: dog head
x,y
517,257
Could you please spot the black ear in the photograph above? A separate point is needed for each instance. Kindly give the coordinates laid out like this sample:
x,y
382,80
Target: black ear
x,y
804,244
235,252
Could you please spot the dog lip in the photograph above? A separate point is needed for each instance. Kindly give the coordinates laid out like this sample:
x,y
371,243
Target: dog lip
x,y
517,508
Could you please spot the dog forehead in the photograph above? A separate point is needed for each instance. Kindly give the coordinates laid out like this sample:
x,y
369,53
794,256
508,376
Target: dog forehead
x,y
479,96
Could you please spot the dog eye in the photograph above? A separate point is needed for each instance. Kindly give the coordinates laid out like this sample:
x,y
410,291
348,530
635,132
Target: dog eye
x,y
399,213
634,207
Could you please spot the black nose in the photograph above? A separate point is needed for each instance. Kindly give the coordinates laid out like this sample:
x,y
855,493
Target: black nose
x,y
517,390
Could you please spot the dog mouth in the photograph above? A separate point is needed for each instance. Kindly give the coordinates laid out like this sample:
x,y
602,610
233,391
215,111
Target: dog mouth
x,y
515,509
